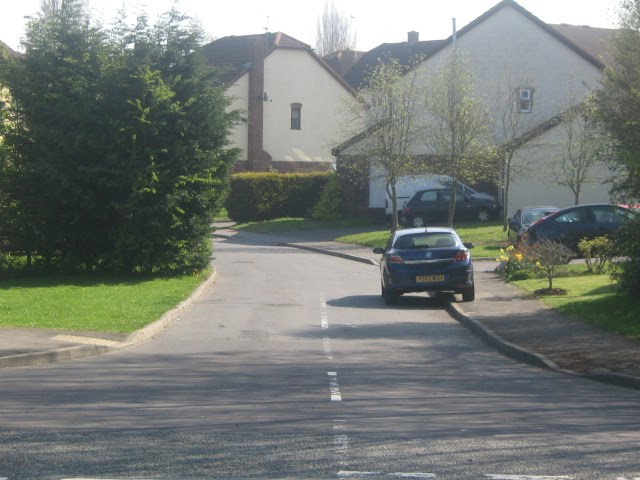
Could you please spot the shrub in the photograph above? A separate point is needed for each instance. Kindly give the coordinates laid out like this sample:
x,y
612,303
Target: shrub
x,y
513,264
627,245
546,256
329,207
258,196
597,253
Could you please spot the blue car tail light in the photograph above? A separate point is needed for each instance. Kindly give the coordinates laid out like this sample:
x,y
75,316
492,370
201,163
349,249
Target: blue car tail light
x,y
461,256
396,259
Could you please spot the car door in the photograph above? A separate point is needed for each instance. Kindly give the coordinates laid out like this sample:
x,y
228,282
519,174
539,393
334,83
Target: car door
x,y
608,219
428,205
582,224
464,209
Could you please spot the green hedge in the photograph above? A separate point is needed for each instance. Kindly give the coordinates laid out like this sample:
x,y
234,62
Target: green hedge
x,y
264,196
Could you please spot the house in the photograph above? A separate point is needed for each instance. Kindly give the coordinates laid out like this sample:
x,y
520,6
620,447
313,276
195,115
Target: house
x,y
546,64
342,60
291,99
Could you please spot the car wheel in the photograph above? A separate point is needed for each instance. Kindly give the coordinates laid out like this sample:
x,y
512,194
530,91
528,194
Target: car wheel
x,y
390,296
483,215
418,221
469,294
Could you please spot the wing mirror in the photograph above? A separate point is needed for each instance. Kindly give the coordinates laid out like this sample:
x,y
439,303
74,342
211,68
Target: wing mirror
x,y
379,250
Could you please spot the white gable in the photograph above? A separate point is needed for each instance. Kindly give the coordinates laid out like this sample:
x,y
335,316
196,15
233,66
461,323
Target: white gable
x,y
294,76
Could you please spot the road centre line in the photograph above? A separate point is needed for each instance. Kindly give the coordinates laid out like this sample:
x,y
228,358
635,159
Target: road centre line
x,y
326,344
528,477
334,388
324,321
356,474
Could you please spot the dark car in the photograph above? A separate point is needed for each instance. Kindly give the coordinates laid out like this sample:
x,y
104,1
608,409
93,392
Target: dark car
x,y
569,225
432,259
524,218
433,205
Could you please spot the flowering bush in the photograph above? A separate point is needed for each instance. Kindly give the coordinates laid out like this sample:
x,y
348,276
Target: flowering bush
x,y
547,256
514,265
597,253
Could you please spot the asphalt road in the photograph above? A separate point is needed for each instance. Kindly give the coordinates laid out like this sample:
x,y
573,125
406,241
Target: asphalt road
x,y
291,366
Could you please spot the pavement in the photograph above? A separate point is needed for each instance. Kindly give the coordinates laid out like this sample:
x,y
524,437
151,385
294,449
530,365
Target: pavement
x,y
513,322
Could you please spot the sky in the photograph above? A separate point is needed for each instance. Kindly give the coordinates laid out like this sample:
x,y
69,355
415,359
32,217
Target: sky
x,y
373,21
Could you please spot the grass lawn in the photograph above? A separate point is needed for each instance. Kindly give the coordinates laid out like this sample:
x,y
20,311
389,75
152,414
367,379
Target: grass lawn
x,y
288,224
488,238
593,299
90,302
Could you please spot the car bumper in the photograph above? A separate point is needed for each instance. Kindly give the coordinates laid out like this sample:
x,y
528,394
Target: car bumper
x,y
407,282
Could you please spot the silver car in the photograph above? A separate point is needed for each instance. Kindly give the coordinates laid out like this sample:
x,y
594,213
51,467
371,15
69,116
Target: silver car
x,y
524,218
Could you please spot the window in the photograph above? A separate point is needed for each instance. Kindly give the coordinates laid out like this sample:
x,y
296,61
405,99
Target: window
x,y
525,99
296,116
429,196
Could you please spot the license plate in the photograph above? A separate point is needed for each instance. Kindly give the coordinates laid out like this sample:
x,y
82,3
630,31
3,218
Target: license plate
x,y
429,278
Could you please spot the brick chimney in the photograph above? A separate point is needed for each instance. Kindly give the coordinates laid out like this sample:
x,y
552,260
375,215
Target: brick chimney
x,y
256,155
413,37
349,58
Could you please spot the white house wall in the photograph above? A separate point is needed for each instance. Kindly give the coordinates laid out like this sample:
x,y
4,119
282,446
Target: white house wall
x,y
508,46
533,182
239,93
294,76
503,48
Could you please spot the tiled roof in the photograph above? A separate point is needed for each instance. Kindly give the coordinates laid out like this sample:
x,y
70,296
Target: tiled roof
x,y
233,53
342,60
404,52
595,41
579,48
594,44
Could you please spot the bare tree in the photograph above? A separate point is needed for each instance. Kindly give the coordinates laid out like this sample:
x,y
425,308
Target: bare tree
x,y
334,31
389,110
457,129
585,147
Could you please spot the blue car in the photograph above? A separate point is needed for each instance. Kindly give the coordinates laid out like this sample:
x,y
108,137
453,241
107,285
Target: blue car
x,y
431,259
570,225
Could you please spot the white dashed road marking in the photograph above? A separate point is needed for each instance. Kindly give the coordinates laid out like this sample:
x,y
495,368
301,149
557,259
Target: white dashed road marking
x,y
326,343
87,340
358,474
528,477
334,388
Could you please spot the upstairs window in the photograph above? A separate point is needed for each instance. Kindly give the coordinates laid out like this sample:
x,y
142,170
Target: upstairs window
x,y
525,99
296,116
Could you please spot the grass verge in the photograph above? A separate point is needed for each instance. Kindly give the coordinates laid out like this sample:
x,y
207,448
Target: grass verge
x,y
289,224
93,302
487,238
593,299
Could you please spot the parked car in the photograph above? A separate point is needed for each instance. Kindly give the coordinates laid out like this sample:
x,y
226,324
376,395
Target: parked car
x,y
569,225
432,259
466,189
524,218
407,186
433,205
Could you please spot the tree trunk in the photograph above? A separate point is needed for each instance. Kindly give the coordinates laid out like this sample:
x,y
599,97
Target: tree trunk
x,y
507,186
452,202
394,207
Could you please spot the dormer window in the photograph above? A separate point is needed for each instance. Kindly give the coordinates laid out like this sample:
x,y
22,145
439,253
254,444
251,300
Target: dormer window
x,y
525,100
296,116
